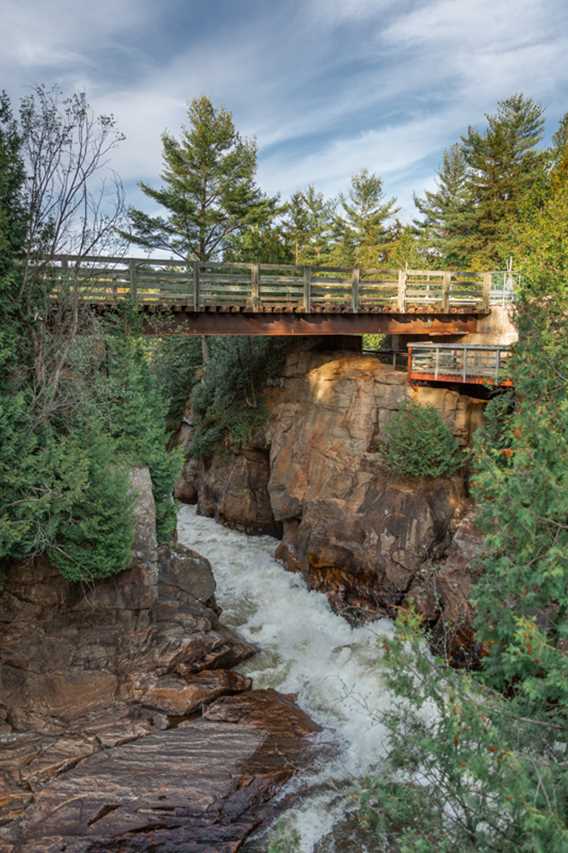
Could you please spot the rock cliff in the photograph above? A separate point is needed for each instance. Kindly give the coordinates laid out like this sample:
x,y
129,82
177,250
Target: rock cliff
x,y
315,477
119,728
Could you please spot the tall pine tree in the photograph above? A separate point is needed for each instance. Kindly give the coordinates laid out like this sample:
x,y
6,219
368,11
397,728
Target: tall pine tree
x,y
307,227
361,227
209,193
503,165
443,225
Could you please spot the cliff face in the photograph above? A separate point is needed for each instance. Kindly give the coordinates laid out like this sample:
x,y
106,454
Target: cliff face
x,y
353,529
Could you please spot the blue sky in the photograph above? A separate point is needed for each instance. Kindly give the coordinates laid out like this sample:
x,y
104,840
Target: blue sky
x,y
327,87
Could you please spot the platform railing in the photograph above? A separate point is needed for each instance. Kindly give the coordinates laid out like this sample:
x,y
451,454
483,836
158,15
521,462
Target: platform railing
x,y
466,363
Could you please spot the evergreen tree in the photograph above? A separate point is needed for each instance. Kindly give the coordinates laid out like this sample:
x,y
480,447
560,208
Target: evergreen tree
x,y
209,193
264,243
132,409
361,230
444,212
307,227
503,164
560,141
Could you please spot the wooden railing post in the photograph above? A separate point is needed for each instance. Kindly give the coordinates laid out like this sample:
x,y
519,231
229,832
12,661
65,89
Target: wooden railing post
x,y
196,285
446,292
355,279
486,300
132,278
402,276
307,289
255,286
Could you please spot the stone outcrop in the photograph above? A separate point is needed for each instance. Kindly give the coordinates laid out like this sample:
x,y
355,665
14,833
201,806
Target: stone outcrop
x,y
102,689
350,526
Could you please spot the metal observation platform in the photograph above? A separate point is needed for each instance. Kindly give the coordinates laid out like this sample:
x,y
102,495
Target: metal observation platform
x,y
473,364
205,298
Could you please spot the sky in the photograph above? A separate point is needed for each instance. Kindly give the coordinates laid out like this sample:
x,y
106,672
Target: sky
x,y
327,87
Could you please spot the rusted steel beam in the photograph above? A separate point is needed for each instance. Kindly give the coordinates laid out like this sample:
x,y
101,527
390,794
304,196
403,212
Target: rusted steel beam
x,y
187,322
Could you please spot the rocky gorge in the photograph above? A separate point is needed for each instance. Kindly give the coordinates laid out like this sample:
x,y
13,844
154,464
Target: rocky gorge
x,y
314,477
122,723
158,710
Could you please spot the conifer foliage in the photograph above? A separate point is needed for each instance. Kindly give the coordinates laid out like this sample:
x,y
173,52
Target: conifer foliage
x,y
361,225
209,194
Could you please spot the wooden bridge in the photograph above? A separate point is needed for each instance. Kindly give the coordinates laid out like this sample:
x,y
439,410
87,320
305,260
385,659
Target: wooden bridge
x,y
205,298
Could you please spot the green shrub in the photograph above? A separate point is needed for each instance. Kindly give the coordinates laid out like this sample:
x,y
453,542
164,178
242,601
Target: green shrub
x,y
95,540
42,475
133,409
417,442
465,770
522,495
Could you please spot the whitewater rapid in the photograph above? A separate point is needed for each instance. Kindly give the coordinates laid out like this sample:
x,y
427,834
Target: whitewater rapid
x,y
308,650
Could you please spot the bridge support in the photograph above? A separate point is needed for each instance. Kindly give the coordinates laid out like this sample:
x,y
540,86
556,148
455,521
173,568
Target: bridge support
x,y
184,322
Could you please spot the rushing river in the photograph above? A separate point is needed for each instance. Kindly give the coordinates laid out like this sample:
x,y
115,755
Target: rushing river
x,y
308,650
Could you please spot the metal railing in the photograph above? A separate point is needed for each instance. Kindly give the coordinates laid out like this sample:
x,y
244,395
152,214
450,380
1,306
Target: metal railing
x,y
467,363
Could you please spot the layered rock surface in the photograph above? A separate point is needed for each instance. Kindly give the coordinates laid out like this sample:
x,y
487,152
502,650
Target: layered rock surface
x,y
356,531
102,743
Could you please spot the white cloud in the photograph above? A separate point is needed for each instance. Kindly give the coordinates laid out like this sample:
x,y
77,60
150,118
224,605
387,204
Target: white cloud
x,y
326,86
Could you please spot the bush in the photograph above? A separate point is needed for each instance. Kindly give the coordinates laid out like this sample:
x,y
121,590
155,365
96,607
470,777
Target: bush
x,y
133,408
465,771
417,442
522,500
95,540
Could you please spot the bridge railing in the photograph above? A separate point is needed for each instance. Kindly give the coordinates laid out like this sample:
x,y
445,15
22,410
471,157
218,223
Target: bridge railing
x,y
469,363
201,286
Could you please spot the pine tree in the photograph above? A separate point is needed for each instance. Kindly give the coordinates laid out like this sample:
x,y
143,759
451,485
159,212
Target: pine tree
x,y
503,165
307,227
444,211
209,193
361,230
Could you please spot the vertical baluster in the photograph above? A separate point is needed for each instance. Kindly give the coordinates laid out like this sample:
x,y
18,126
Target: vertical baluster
x,y
355,279
196,285
132,278
255,286
402,278
446,292
486,299
307,289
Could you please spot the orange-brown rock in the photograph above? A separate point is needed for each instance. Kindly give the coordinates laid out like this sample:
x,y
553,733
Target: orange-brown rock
x,y
355,530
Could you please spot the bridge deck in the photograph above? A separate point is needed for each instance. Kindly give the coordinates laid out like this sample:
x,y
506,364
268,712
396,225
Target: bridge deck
x,y
235,298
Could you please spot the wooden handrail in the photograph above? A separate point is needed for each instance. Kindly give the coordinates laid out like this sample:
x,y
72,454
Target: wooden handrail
x,y
253,287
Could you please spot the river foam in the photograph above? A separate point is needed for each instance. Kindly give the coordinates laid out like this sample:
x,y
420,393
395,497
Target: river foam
x,y
306,649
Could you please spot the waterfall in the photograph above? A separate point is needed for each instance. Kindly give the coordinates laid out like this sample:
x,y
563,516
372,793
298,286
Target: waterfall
x,y
306,649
